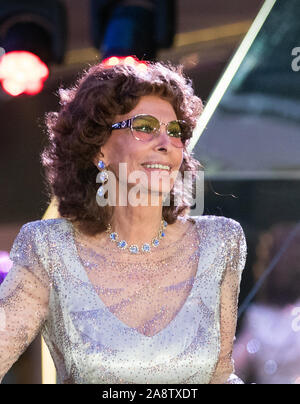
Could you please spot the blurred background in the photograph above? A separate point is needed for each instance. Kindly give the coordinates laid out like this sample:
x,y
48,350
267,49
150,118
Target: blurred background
x,y
244,61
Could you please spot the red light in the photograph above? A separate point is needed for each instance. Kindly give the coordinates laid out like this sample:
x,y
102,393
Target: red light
x,y
127,60
113,61
22,72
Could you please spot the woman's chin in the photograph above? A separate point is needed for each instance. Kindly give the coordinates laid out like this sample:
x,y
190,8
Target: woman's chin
x,y
153,196
158,188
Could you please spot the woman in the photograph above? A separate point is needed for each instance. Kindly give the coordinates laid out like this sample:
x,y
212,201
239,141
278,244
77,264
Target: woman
x,y
127,292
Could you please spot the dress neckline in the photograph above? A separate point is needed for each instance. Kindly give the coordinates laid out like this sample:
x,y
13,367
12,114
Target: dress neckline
x,y
171,323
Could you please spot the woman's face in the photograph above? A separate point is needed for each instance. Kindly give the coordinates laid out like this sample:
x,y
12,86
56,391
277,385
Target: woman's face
x,y
122,147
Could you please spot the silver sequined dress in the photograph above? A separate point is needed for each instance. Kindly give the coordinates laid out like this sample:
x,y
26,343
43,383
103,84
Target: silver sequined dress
x,y
87,303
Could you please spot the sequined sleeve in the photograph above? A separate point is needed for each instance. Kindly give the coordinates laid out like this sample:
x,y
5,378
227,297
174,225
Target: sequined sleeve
x,y
230,288
24,296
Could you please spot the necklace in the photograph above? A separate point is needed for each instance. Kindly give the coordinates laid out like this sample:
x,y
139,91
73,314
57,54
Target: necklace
x,y
133,248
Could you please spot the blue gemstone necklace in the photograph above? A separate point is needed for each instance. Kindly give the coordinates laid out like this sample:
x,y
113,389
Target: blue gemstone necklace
x,y
133,248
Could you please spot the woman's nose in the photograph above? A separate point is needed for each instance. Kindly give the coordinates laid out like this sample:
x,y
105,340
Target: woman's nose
x,y
163,137
163,131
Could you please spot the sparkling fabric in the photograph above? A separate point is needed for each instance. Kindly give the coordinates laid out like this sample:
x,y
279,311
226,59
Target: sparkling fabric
x,y
168,316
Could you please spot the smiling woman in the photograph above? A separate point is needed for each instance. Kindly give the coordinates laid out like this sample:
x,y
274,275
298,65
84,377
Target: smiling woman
x,y
135,292
82,133
145,148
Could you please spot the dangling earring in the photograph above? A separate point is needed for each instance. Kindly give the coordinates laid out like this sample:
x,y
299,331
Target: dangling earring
x,y
103,176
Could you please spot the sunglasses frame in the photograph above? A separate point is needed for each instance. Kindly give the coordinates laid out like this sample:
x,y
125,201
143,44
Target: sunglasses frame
x,y
128,124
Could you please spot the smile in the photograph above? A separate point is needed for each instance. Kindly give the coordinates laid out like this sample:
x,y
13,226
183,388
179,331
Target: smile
x,y
157,167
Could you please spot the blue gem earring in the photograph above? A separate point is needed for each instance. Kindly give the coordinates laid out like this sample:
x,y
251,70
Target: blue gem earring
x,y
103,177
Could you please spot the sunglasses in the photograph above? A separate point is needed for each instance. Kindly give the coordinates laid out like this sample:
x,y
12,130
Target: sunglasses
x,y
146,127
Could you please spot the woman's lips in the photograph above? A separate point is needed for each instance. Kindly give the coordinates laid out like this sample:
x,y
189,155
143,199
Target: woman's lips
x,y
162,170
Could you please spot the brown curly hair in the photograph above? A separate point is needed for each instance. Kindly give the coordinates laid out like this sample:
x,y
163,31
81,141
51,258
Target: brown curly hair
x,y
83,124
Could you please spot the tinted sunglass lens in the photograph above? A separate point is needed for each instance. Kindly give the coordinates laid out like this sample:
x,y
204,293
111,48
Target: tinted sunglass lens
x,y
175,133
174,129
145,124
